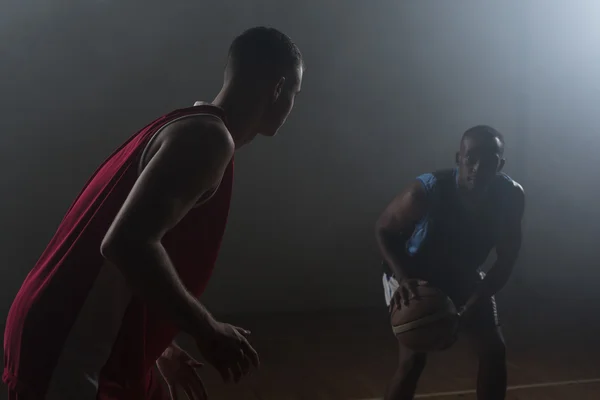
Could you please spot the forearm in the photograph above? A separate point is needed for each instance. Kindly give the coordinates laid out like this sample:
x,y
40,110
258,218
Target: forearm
x,y
492,283
149,271
393,254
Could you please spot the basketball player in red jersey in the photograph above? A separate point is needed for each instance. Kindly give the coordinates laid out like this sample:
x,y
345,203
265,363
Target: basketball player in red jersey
x,y
121,276
440,230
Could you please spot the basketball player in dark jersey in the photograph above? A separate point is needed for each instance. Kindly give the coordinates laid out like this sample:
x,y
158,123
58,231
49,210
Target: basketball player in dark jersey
x,y
123,273
439,231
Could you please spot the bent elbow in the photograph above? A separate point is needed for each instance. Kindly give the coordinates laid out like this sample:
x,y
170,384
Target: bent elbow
x,y
381,227
125,250
110,248
116,248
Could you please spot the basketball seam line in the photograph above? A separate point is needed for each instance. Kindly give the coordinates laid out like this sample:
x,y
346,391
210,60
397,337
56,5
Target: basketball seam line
x,y
409,326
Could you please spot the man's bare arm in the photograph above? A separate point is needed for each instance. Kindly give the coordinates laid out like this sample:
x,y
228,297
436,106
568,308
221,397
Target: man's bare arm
x,y
192,155
507,251
397,224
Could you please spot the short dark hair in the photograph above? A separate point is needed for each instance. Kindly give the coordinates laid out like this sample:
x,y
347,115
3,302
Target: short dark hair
x,y
484,132
263,50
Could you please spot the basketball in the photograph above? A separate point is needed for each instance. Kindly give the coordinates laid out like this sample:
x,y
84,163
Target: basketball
x,y
428,323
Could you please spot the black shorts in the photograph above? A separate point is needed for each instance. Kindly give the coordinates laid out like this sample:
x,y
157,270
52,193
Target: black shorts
x,y
483,317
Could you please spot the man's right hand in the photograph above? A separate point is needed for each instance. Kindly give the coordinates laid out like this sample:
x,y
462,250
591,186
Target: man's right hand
x,y
407,291
227,349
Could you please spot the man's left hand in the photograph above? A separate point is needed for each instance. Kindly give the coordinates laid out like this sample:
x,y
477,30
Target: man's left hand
x,y
179,370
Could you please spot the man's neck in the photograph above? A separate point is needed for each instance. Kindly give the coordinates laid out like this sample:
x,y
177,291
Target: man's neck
x,y
241,118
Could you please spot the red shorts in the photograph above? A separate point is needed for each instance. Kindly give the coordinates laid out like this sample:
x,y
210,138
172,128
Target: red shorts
x,y
14,396
156,391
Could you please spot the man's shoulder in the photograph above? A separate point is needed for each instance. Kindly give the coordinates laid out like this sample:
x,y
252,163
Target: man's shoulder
x,y
195,136
206,132
508,185
510,193
431,179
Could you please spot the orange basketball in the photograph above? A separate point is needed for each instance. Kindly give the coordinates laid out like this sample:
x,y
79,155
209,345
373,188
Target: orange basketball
x,y
429,323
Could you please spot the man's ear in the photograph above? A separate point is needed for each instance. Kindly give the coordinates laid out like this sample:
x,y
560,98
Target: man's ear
x,y
501,164
278,88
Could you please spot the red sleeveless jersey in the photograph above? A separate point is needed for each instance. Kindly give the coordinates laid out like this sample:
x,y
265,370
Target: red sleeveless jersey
x,y
75,330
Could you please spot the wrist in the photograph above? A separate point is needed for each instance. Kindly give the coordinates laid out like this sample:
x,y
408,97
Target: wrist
x,y
472,300
399,275
199,322
205,326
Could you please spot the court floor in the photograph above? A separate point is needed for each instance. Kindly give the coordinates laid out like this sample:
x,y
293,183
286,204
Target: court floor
x,y
553,354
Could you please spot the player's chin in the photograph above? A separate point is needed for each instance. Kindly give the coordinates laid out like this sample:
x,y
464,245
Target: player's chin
x,y
471,184
476,185
269,132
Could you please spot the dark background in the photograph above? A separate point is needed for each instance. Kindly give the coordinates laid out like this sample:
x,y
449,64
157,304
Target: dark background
x,y
390,86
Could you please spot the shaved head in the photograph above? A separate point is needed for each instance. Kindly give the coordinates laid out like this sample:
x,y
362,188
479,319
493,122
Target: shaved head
x,y
263,52
485,133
